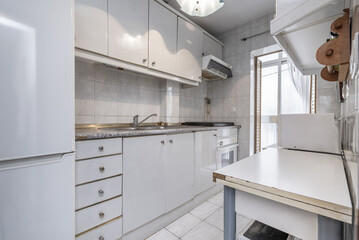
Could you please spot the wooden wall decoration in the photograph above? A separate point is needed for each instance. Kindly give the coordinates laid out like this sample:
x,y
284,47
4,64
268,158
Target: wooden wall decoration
x,y
336,51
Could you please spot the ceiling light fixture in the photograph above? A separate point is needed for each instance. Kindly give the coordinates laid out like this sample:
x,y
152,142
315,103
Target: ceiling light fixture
x,y
200,8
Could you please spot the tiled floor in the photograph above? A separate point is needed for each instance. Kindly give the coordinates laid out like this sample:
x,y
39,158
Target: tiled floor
x,y
203,223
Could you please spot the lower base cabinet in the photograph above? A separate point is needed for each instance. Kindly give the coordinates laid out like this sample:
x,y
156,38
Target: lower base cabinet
x,y
158,176
109,231
205,160
179,170
143,180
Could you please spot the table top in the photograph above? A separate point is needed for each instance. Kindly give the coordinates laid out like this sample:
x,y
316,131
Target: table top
x,y
314,182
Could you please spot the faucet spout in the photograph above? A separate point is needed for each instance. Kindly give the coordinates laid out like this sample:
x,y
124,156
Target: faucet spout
x,y
136,123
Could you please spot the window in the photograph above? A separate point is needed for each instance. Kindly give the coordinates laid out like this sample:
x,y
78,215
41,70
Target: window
x,y
280,89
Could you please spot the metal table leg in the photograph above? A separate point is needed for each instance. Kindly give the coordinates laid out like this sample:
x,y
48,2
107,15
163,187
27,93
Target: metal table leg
x,y
229,214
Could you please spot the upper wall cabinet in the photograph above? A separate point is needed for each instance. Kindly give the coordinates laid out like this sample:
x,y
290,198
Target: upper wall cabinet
x,y
128,30
211,47
91,25
162,38
302,26
189,50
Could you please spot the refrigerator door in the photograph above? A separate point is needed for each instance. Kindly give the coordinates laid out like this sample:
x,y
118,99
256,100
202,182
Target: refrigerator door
x,y
37,198
37,78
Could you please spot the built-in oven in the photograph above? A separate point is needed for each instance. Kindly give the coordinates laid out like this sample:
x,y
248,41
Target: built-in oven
x,y
227,146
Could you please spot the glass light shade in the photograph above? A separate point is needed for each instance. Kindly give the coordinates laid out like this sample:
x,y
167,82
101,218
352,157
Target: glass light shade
x,y
200,8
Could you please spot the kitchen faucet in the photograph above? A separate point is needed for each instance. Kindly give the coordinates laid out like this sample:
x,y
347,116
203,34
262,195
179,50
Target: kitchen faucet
x,y
135,122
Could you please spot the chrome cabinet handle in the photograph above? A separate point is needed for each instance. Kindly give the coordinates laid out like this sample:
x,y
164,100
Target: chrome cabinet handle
x,y
101,148
100,192
171,141
102,169
101,214
163,141
101,238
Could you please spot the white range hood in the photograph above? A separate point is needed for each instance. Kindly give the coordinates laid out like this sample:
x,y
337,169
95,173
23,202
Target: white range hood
x,y
214,68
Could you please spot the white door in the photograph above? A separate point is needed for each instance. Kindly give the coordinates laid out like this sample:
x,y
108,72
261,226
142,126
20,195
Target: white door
x,y
37,199
37,78
211,47
91,25
179,169
143,180
162,38
205,160
189,51
128,30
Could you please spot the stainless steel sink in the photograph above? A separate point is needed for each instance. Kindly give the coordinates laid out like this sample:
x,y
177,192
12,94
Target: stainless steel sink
x,y
134,129
151,127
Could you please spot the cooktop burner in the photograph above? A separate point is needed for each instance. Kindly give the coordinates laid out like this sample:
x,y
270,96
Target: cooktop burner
x,y
210,124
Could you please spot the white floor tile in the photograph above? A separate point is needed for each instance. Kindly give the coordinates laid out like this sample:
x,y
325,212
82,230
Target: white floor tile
x,y
217,200
241,222
184,224
163,235
204,210
216,219
204,231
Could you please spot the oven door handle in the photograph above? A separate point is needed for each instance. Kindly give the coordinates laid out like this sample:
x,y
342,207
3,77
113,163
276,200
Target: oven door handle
x,y
226,148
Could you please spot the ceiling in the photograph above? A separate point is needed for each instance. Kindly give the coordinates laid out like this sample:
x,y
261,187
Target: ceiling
x,y
233,13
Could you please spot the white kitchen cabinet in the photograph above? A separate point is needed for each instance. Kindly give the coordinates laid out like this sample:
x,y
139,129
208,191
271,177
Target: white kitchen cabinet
x,y
162,38
143,180
110,231
128,31
91,25
189,50
211,47
98,214
205,160
179,163
302,26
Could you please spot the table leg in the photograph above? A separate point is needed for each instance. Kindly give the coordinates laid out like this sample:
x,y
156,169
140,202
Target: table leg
x,y
229,214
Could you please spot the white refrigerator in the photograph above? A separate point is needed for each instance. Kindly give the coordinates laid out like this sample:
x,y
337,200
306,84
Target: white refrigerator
x,y
36,120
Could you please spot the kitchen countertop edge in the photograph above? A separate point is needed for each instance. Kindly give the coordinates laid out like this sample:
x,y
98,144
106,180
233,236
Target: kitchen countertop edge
x,y
93,133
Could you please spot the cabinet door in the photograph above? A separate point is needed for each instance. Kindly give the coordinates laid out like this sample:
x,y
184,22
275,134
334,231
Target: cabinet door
x,y
162,39
91,25
179,169
211,47
128,30
189,51
143,180
205,160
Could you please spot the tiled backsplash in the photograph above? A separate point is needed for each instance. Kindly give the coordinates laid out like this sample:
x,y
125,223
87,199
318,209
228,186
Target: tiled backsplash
x,y
107,95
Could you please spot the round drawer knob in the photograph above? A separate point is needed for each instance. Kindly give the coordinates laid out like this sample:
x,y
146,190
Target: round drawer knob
x,y
101,238
163,141
102,169
100,192
100,148
144,60
171,141
153,63
101,215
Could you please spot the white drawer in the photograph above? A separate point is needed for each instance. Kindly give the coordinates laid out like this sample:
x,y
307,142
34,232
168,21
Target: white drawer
x,y
109,231
96,148
95,192
92,216
97,168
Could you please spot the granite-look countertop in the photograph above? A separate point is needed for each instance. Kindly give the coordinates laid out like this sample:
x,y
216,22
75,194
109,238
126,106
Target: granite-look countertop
x,y
98,133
